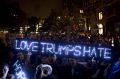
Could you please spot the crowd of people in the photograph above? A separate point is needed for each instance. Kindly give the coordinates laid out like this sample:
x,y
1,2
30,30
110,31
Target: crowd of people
x,y
81,37
58,67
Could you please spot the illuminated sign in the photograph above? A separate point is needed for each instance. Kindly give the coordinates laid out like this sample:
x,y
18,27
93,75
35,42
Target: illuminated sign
x,y
77,50
19,73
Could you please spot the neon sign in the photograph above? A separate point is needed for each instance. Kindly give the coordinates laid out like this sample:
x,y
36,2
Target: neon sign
x,y
19,73
64,49
33,46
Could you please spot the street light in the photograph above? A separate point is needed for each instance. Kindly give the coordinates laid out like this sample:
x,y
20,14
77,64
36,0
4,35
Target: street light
x,y
81,11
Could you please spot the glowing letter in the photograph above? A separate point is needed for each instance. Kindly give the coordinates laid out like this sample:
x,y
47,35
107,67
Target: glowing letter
x,y
86,51
16,63
62,48
100,49
21,75
23,45
18,71
107,53
93,52
54,49
49,47
35,47
69,49
77,51
17,45
32,46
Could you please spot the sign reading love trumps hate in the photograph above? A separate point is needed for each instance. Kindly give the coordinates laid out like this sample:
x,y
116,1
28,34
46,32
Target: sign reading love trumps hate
x,y
64,49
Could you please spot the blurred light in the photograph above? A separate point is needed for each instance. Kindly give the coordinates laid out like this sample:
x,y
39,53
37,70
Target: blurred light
x,y
21,29
50,33
100,31
5,71
26,28
81,11
31,32
112,42
37,28
29,53
100,15
14,15
63,33
58,17
89,28
40,24
100,28
5,31
20,74
89,37
36,32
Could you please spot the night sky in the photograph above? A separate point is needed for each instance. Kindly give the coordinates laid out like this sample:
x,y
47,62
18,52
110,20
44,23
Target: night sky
x,y
39,8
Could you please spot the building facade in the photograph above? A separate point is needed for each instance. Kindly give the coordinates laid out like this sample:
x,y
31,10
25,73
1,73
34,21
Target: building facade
x,y
102,14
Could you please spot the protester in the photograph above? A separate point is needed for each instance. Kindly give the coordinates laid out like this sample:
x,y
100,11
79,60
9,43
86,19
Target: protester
x,y
62,67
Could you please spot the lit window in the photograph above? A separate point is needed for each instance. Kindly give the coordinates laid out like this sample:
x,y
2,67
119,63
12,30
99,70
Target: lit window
x,y
100,28
21,29
81,11
112,42
89,28
40,24
100,15
25,28
58,17
37,27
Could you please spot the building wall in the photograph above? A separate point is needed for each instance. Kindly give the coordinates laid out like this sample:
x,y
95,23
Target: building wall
x,y
110,10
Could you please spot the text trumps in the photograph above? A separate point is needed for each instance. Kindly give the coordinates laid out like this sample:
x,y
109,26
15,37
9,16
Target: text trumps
x,y
64,49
